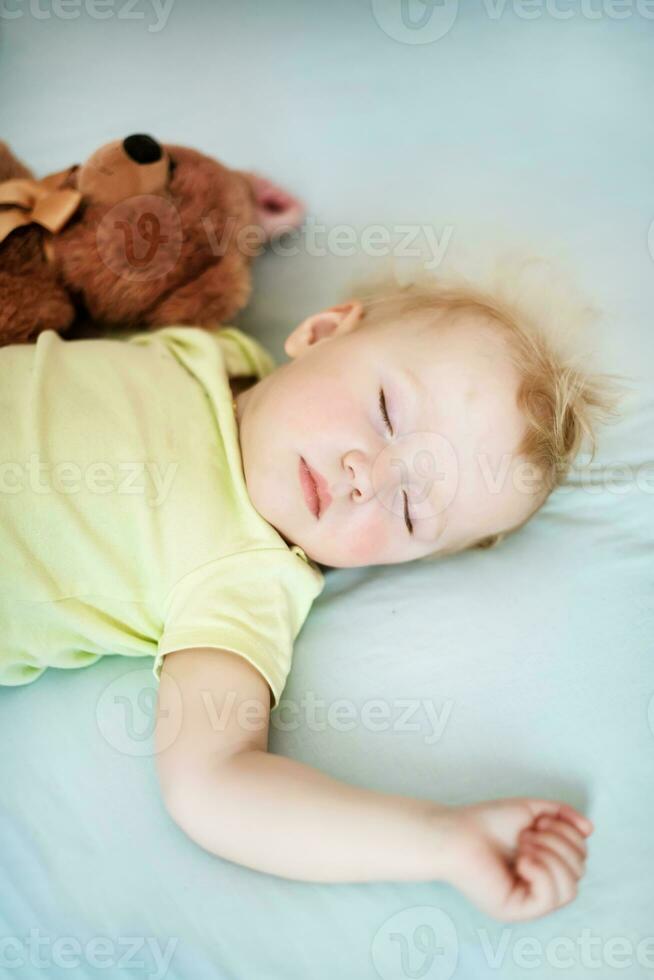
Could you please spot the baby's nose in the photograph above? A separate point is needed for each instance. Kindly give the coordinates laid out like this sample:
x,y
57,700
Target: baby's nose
x,y
359,476
141,148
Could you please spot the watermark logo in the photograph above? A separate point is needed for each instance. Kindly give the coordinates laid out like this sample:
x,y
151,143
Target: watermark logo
x,y
587,950
415,21
133,719
343,715
140,478
417,476
567,9
419,715
153,12
317,240
125,953
140,239
426,21
614,478
420,943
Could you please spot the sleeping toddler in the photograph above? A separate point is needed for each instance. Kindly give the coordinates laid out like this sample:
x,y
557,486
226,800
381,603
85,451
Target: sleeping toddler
x,y
177,494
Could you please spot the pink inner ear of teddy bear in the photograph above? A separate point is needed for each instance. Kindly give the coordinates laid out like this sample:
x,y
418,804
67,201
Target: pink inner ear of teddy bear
x,y
278,211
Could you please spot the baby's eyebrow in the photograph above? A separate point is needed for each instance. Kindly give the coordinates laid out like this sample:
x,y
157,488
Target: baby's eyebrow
x,y
413,383
416,394
410,390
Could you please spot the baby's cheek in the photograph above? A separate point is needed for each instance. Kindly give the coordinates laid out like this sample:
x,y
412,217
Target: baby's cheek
x,y
368,542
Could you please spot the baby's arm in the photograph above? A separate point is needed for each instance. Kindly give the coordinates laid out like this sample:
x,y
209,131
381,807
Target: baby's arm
x,y
280,816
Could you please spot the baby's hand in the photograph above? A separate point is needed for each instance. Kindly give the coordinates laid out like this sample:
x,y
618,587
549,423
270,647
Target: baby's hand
x,y
518,858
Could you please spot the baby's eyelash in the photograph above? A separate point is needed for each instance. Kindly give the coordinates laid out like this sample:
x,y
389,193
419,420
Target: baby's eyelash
x,y
407,519
382,406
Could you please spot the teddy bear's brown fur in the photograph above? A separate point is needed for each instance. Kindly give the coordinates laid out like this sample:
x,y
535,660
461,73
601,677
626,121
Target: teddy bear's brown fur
x,y
161,235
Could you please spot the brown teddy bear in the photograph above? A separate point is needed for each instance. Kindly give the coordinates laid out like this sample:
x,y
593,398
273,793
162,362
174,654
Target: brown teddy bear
x,y
140,235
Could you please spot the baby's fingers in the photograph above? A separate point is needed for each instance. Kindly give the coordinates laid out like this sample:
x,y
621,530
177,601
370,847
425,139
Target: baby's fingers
x,y
534,892
578,820
565,830
558,844
565,812
565,881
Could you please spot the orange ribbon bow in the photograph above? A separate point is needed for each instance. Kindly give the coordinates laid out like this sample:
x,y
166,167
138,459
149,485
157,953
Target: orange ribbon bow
x,y
43,202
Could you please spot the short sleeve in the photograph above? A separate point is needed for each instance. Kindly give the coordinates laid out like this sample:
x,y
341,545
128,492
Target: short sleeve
x,y
253,603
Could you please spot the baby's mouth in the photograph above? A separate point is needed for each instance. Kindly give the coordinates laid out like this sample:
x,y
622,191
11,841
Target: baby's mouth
x,y
309,489
314,489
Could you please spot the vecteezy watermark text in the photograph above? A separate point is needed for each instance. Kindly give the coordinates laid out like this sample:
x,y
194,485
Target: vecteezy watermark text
x,y
340,715
140,239
141,478
342,241
423,941
42,952
134,721
426,21
155,12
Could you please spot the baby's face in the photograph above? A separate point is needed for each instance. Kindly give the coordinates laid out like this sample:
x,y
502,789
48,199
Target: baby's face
x,y
409,431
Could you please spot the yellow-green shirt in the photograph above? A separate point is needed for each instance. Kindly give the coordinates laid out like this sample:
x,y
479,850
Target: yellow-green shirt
x,y
125,523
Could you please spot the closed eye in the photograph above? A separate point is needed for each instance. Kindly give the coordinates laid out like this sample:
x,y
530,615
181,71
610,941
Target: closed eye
x,y
382,406
407,516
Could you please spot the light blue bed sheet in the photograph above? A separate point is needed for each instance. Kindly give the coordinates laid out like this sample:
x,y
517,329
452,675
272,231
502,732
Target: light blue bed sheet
x,y
528,668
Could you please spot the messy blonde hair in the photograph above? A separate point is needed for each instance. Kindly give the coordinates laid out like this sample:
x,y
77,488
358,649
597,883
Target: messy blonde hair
x,y
562,399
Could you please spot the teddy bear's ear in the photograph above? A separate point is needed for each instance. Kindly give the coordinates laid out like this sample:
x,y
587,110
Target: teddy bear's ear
x,y
277,211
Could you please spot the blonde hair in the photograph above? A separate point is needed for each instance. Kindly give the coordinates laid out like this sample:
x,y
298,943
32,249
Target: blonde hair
x,y
562,400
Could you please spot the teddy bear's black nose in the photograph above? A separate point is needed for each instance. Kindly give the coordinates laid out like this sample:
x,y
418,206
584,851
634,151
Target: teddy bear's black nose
x,y
141,148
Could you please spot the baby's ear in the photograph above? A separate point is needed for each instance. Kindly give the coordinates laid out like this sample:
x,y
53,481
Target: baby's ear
x,y
335,321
